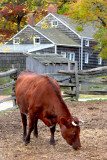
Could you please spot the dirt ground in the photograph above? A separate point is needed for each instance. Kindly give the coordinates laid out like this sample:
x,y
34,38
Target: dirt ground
x,y
93,136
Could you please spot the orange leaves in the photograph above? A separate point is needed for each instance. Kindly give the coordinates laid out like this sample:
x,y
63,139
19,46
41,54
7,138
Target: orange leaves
x,y
5,34
11,9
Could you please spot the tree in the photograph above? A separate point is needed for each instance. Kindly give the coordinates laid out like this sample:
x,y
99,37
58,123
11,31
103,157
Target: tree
x,y
92,11
14,12
13,15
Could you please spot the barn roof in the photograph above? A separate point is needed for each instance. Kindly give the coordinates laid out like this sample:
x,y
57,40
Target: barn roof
x,y
57,36
49,58
88,30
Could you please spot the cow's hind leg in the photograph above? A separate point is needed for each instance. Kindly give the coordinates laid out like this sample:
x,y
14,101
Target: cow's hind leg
x,y
52,140
31,127
24,122
35,128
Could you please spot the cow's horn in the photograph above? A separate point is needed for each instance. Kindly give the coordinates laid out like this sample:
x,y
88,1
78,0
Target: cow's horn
x,y
82,121
74,124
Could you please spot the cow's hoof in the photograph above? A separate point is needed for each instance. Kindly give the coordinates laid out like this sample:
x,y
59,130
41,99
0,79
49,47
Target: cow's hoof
x,y
52,142
36,135
27,140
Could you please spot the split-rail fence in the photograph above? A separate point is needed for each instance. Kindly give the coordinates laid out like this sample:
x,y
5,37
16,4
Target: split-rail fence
x,y
70,81
12,73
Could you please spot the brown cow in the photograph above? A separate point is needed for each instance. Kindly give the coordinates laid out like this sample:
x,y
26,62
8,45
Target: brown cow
x,y
40,97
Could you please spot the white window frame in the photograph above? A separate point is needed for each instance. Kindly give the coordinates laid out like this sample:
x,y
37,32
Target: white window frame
x,y
52,23
86,57
87,42
16,40
63,54
99,61
71,56
36,42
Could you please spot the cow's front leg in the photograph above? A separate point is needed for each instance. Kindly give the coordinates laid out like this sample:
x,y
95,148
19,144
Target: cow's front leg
x,y
35,128
51,124
52,130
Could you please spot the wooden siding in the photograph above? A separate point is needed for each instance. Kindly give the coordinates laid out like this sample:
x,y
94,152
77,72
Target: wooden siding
x,y
93,56
69,49
9,59
26,37
34,65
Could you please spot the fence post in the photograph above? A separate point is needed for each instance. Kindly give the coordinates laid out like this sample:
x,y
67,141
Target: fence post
x,y
76,80
14,78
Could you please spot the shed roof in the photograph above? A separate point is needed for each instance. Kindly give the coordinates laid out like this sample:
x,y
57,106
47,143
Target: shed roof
x,y
49,58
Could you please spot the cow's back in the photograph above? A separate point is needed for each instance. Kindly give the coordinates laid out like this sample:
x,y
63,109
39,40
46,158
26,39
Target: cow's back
x,y
33,89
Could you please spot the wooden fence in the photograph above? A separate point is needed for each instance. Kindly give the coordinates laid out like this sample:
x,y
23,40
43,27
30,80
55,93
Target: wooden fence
x,y
13,76
69,80
75,79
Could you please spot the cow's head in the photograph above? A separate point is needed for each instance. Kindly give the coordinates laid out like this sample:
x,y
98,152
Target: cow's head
x,y
70,131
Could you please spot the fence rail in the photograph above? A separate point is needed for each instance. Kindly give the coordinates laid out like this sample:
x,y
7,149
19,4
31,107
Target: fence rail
x,y
69,80
76,78
13,75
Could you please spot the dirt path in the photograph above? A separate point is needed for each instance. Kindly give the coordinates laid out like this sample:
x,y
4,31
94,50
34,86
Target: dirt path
x,y
93,136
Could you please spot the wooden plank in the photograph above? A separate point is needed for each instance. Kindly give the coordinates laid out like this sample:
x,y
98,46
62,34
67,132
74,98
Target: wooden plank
x,y
77,81
62,79
67,84
94,70
53,74
71,72
72,93
8,73
7,99
5,86
93,83
93,92
94,75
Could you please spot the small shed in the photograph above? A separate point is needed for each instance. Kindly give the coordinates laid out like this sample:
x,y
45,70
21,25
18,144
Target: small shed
x,y
46,63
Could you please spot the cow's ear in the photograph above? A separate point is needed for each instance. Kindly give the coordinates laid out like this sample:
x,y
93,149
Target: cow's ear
x,y
64,121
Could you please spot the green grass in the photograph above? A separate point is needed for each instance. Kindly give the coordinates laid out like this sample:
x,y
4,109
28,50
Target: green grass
x,y
3,81
83,96
96,100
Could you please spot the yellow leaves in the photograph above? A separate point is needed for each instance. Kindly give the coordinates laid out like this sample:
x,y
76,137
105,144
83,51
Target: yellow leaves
x,y
6,50
88,10
10,11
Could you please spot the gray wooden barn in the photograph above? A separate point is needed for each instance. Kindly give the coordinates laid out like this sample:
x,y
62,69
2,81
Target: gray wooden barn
x,y
46,63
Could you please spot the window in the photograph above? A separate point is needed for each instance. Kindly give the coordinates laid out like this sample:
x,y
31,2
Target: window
x,y
16,40
38,53
54,23
70,56
86,57
87,43
63,54
36,40
100,61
